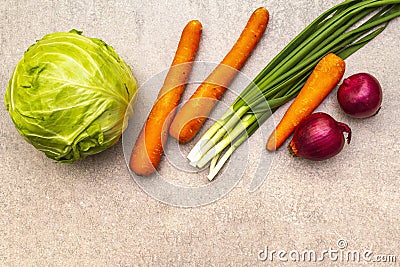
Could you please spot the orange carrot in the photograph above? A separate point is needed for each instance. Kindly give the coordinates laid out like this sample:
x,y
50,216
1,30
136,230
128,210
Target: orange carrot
x,y
326,75
148,149
193,113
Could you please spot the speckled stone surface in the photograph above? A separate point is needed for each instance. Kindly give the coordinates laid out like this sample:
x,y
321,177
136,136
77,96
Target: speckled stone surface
x,y
92,213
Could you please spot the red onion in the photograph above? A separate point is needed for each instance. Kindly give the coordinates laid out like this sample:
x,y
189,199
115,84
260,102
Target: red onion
x,y
360,95
319,137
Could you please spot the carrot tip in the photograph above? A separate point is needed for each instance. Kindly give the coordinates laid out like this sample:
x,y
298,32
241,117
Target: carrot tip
x,y
271,144
195,23
261,9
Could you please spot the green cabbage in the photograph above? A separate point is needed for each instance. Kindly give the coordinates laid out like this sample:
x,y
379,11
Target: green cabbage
x,y
68,95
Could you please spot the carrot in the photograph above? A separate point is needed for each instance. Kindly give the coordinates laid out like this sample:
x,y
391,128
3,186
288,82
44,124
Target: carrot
x,y
195,111
326,75
148,149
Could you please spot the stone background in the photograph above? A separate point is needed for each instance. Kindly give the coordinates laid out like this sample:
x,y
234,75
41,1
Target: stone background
x,y
92,213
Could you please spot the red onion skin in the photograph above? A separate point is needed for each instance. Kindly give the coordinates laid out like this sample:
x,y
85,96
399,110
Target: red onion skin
x,y
319,137
360,95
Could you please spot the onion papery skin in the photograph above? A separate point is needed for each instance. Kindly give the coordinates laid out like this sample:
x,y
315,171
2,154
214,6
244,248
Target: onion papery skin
x,y
319,137
360,95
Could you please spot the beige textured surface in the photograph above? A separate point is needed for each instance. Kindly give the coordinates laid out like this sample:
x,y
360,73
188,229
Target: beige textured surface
x,y
92,213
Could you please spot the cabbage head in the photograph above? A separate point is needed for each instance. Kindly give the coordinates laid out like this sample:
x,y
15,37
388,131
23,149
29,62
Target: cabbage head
x,y
68,95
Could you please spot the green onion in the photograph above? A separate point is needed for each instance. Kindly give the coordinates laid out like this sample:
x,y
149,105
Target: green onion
x,y
343,29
